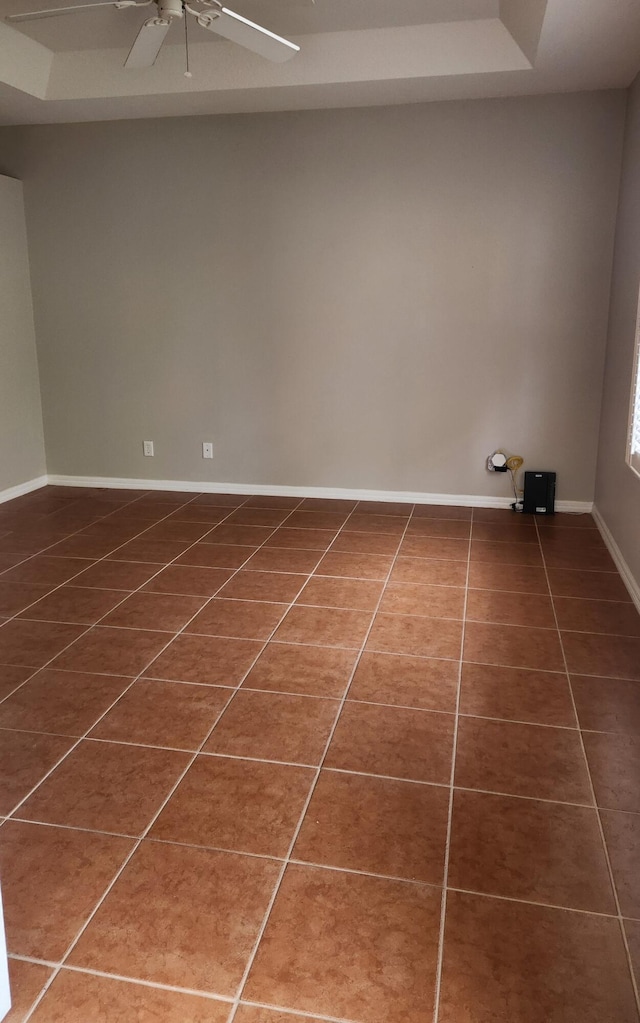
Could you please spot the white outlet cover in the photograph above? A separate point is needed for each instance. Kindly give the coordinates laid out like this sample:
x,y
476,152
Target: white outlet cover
x,y
147,448
207,449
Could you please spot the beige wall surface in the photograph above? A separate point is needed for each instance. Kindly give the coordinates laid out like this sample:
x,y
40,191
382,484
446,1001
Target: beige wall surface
x,y
21,442
371,298
618,488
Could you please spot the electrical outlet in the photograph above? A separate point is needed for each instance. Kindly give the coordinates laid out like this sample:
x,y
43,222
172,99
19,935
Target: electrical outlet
x,y
207,449
147,448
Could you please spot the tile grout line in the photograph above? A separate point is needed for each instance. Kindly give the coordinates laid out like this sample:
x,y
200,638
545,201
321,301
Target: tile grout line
x,y
279,880
605,848
454,750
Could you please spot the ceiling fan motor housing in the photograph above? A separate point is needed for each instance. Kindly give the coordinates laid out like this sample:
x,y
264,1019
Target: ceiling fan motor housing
x,y
170,9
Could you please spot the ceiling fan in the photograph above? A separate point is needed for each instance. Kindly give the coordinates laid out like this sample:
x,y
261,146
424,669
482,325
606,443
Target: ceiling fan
x,y
209,14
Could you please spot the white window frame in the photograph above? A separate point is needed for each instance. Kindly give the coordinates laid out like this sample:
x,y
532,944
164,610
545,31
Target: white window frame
x,y
633,440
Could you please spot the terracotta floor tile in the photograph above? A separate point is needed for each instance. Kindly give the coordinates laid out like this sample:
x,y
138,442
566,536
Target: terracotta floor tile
x,y
531,850
25,758
566,520
513,646
324,627
516,694
437,547
180,916
52,878
12,676
366,522
105,786
376,825
63,702
309,519
8,561
46,571
215,555
305,670
115,575
431,526
614,763
271,726
421,682
155,552
75,604
79,997
160,611
589,654
154,713
257,517
587,585
505,532
622,834
355,566
418,599
177,530
513,963
615,618
327,925
210,660
429,572
490,552
304,539
254,1014
277,587
359,594
521,760
327,504
291,561
220,500
443,511
348,542
400,508
278,501
502,516
245,536
240,619
241,805
512,578
199,513
35,643
26,981
593,559
607,704
16,596
198,582
81,546
395,742
530,609
113,651
422,637
571,539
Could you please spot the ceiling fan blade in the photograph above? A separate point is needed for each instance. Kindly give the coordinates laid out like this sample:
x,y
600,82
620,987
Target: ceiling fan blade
x,y
53,12
246,33
148,43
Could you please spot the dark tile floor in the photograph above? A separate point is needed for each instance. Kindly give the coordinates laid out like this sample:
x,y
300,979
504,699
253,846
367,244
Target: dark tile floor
x,y
271,761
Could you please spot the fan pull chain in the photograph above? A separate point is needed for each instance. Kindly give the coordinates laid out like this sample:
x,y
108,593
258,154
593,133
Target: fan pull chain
x,y
187,73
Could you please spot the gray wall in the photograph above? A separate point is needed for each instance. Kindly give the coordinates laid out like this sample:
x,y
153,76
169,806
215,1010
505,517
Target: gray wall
x,y
354,298
21,442
618,488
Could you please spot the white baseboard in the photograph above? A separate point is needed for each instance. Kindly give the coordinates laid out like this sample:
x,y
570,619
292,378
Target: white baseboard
x,y
335,493
23,488
628,578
